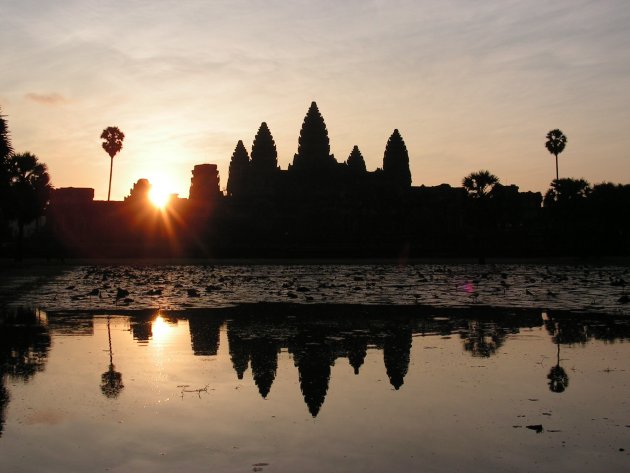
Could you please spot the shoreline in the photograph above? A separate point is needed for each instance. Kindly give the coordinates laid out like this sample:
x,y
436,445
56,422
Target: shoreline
x,y
275,311
37,263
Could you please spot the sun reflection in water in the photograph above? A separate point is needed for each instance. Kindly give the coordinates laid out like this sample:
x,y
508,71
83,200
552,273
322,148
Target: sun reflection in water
x,y
161,330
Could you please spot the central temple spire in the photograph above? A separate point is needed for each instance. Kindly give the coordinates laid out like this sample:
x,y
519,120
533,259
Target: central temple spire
x,y
314,146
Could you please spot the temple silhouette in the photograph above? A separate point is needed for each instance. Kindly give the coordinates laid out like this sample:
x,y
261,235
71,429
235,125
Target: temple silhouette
x,y
321,207
317,207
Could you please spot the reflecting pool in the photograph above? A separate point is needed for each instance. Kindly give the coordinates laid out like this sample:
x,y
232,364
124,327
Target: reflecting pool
x,y
281,387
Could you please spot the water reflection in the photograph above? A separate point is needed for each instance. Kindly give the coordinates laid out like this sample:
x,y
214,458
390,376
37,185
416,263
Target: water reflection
x,y
4,400
229,386
24,347
204,335
141,328
317,337
111,380
558,378
314,336
396,347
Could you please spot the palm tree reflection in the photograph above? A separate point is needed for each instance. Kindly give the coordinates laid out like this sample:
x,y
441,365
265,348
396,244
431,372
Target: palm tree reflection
x,y
111,380
558,378
483,339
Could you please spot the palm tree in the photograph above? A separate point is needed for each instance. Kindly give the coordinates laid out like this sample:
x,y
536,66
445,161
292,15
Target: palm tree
x,y
6,150
111,380
5,140
556,141
567,192
28,191
112,145
558,378
479,184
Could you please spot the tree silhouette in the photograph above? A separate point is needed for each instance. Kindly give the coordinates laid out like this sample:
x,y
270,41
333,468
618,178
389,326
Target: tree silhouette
x,y
396,161
479,184
558,378
112,144
111,380
314,146
6,150
5,140
355,162
239,165
28,192
24,347
556,142
24,344
483,339
567,192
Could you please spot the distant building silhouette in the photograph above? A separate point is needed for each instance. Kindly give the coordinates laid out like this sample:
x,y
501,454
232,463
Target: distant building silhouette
x,y
239,171
318,207
356,163
313,157
204,184
139,193
396,162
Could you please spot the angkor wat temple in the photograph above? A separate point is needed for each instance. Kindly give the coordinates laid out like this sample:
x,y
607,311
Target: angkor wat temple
x,y
318,207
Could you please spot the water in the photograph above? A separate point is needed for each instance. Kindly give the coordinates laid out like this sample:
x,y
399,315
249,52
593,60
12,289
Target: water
x,y
575,288
223,382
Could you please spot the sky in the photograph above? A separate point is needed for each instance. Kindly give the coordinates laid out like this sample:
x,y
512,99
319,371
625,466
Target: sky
x,y
470,85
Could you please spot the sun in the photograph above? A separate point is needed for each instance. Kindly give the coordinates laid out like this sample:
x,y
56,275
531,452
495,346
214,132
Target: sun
x,y
161,330
159,196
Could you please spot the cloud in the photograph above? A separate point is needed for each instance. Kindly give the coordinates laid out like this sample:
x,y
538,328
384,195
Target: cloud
x,y
52,99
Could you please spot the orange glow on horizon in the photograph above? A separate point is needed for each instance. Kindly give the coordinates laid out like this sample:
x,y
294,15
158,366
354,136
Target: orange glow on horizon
x,y
161,190
159,196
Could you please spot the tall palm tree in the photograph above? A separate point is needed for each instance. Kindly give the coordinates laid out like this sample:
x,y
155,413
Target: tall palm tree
x,y
112,145
556,142
111,380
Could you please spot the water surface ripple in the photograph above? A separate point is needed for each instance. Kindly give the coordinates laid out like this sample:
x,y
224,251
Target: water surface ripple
x,y
596,289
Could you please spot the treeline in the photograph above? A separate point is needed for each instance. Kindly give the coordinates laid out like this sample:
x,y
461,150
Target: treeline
x,y
24,189
583,219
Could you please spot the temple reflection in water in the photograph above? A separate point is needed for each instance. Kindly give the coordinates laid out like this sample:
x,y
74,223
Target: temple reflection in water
x,y
255,340
240,386
314,342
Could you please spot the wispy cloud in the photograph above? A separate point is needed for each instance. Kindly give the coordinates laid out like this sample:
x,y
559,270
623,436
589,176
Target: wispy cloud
x,y
52,99
467,85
